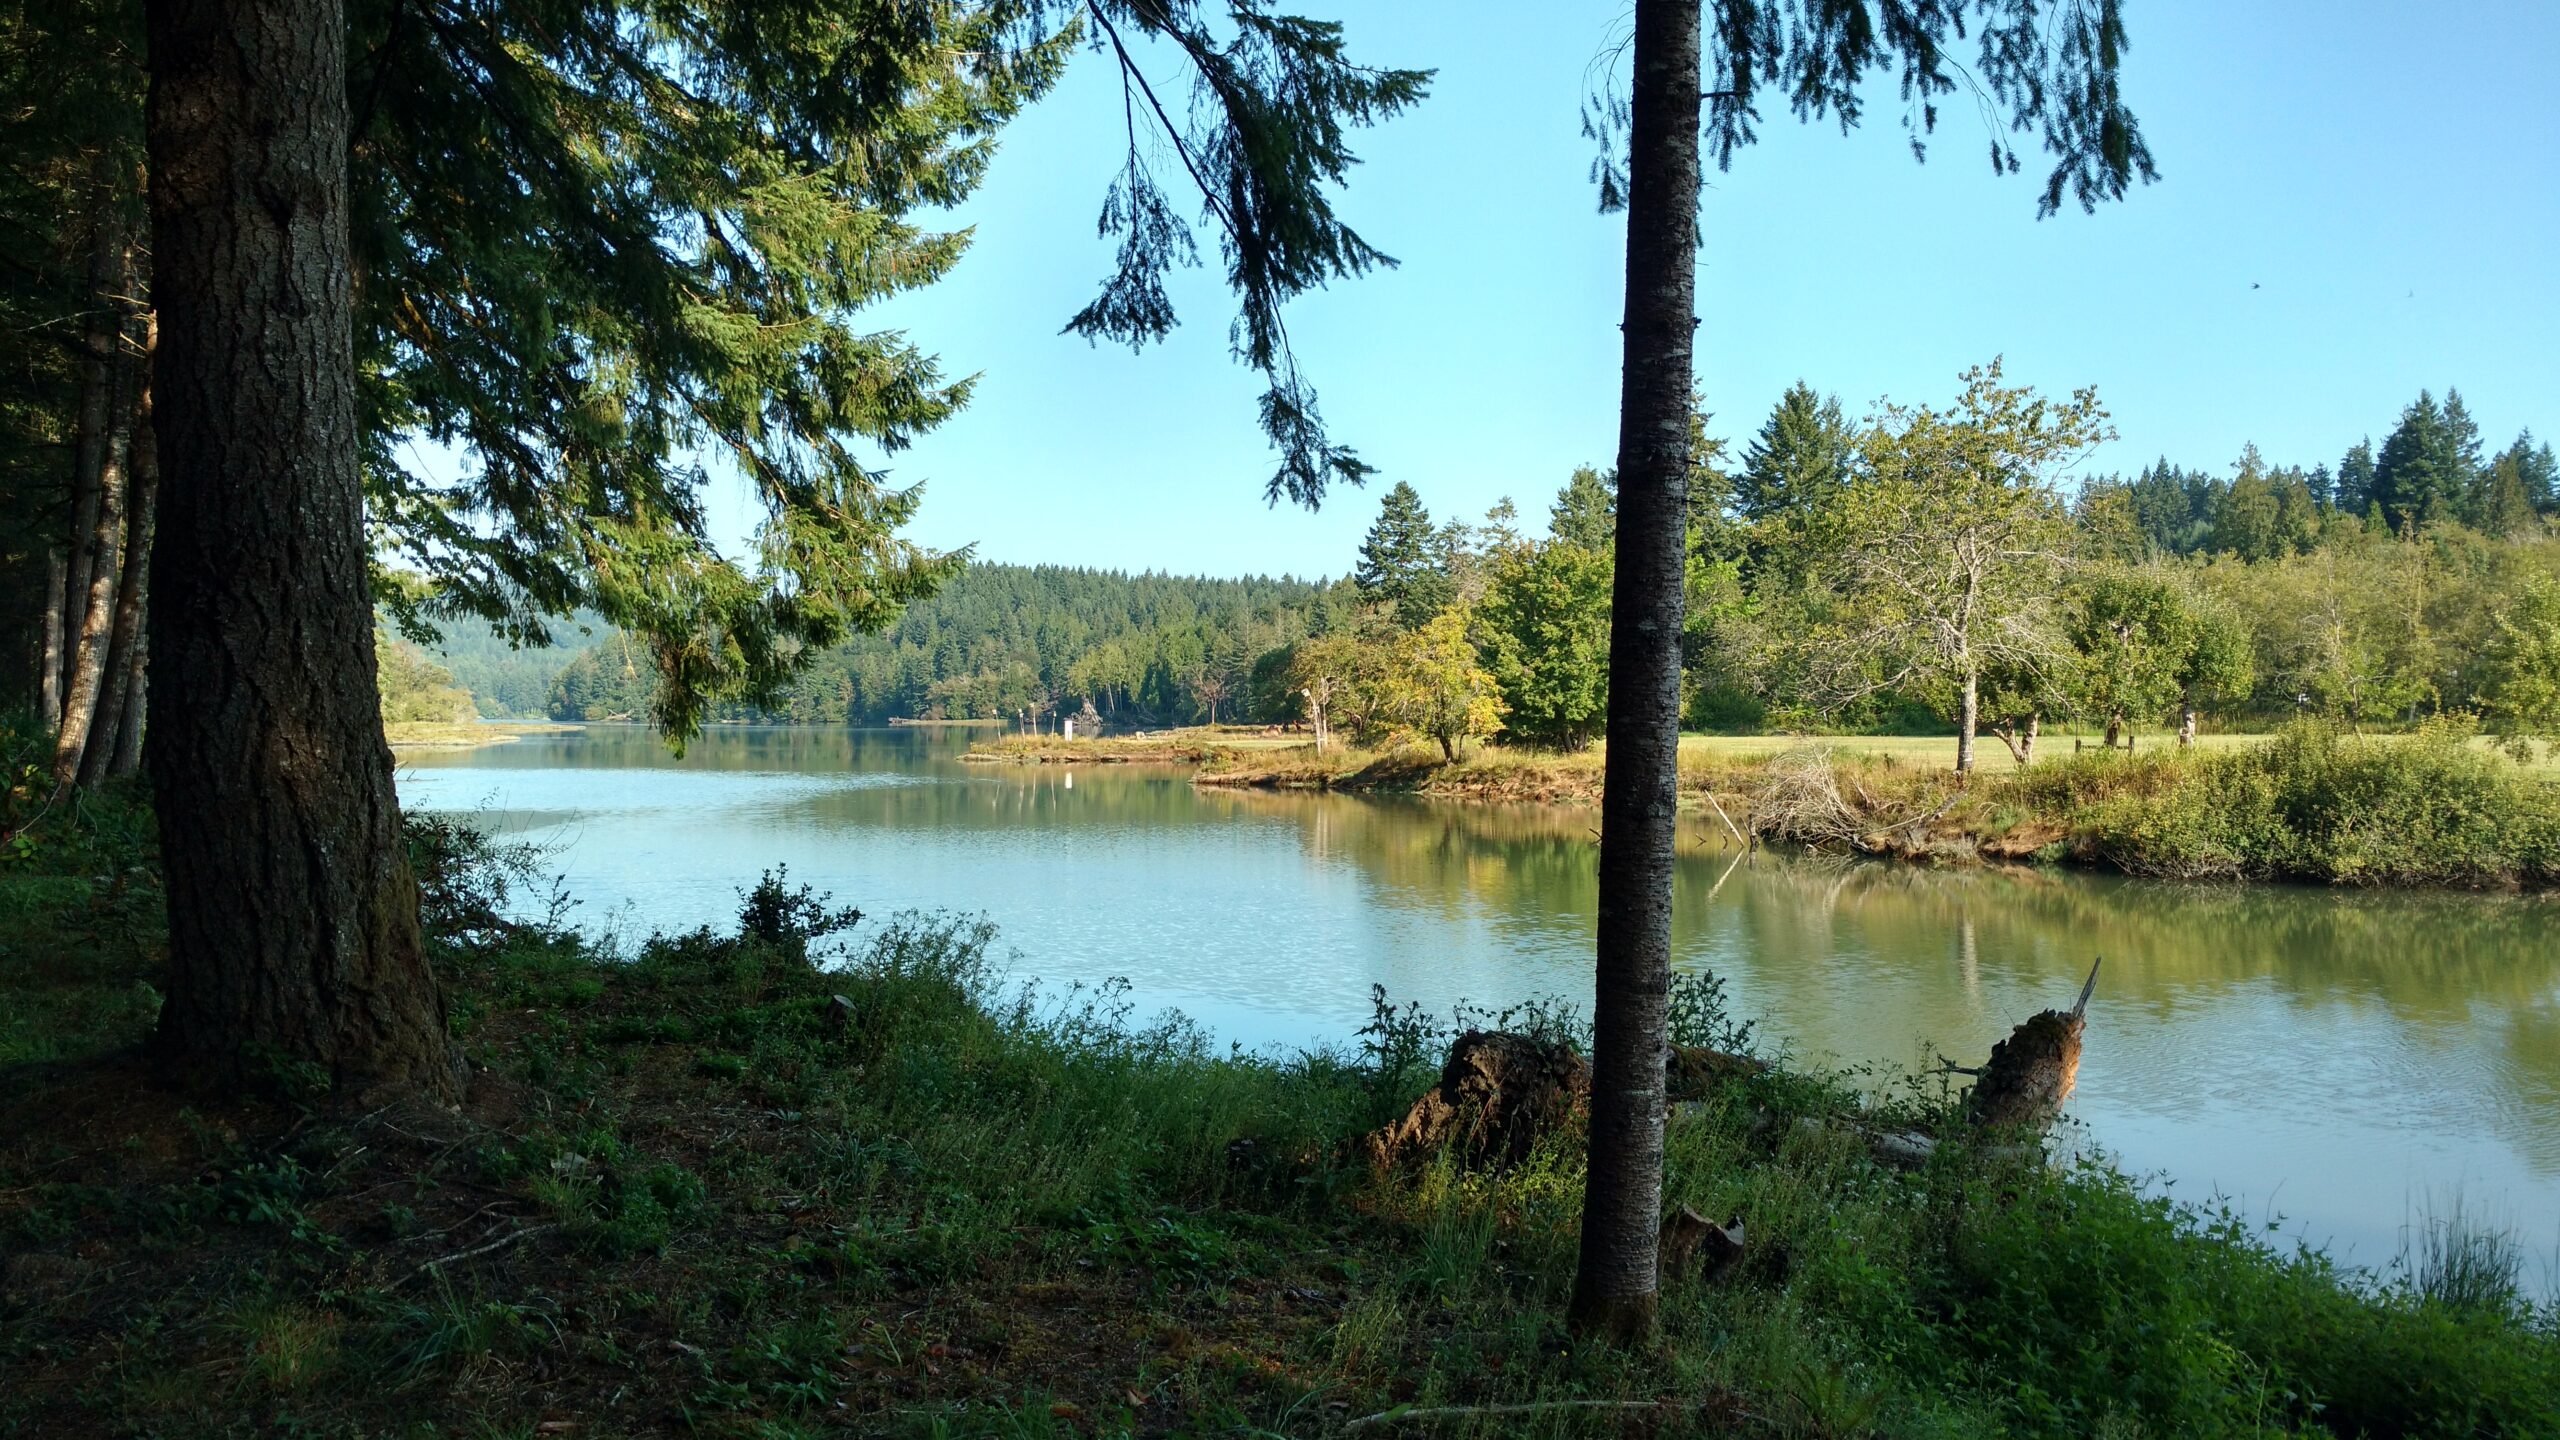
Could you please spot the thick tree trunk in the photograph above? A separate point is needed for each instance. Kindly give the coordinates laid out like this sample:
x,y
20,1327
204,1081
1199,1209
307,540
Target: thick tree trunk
x,y
293,916
117,707
92,638
1968,722
1615,1287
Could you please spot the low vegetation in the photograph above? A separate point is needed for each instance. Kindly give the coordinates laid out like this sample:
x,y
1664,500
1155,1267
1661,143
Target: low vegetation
x,y
2312,803
816,1174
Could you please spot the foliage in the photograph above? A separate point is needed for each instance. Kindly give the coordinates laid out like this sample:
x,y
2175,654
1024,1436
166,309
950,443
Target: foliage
x,y
1545,621
1403,564
2521,692
1430,682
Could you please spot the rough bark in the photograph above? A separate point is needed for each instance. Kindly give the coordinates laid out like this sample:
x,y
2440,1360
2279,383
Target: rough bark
x,y
2031,1073
118,709
293,915
1617,1281
137,711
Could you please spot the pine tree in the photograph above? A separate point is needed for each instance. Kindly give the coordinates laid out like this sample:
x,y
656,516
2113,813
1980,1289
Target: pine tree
x,y
2417,478
1400,564
2538,469
1586,510
2355,486
1798,461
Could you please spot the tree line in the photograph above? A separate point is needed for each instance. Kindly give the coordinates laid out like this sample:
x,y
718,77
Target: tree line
x,y
1841,574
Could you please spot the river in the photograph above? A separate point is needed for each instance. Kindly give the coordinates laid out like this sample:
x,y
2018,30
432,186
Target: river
x,y
2341,1064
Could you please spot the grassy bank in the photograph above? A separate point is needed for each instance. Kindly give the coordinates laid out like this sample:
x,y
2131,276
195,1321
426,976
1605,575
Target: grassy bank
x,y
2311,804
791,1178
462,735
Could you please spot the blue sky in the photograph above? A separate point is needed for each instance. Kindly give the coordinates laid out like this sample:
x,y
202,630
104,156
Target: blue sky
x,y
2387,174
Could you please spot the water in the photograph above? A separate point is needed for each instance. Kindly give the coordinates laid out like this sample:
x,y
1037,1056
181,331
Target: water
x,y
2340,1062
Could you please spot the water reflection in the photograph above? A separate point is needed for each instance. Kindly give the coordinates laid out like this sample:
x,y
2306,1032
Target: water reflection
x,y
2333,1056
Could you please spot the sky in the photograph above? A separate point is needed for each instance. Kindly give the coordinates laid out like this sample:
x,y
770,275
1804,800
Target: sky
x,y
2358,199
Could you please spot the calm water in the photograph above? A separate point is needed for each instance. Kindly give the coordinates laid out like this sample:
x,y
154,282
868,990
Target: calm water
x,y
2341,1061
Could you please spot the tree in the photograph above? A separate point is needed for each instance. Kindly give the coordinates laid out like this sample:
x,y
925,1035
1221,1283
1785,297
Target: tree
x,y
2522,695
2147,639
2356,485
1430,681
1327,670
2054,71
1586,511
293,917
2419,478
1546,626
1798,461
1954,546
1401,563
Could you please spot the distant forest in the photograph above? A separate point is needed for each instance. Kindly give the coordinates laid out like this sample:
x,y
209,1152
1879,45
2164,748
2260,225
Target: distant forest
x,y
2408,578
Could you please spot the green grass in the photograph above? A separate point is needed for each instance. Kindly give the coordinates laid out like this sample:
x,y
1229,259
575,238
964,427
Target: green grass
x,y
792,1179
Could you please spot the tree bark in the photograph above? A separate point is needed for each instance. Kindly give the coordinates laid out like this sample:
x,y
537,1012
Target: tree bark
x,y
117,710
1616,1284
93,637
108,246
57,573
2186,726
294,946
1968,721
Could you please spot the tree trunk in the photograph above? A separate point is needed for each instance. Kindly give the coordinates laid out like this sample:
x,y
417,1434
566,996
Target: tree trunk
x,y
293,916
2115,731
2186,726
117,709
57,573
1616,1284
99,419
2027,746
1968,721
1448,750
92,638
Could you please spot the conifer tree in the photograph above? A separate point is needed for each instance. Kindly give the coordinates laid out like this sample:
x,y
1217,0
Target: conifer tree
x,y
2355,488
1586,510
2419,478
1798,461
1400,562
2039,69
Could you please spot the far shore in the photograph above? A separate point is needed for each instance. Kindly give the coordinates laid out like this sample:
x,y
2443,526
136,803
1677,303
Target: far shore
x,y
465,734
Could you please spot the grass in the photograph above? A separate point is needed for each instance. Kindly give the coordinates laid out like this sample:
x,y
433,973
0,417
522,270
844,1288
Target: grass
x,y
797,1176
462,734
2436,807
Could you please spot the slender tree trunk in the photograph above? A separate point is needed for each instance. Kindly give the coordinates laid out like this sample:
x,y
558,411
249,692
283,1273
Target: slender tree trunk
x,y
1968,721
117,709
93,637
1615,1287
2027,748
137,712
57,574
293,916
99,420
2186,726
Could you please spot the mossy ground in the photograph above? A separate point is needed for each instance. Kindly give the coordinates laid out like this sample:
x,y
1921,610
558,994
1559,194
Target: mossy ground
x,y
695,1192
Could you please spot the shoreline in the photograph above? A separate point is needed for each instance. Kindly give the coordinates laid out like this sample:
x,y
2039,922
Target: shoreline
x,y
467,734
2309,806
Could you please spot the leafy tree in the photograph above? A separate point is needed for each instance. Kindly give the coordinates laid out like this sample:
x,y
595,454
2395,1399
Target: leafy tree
x,y
1429,681
2055,72
1331,671
1954,548
416,688
1402,560
1546,626
2521,698
2148,639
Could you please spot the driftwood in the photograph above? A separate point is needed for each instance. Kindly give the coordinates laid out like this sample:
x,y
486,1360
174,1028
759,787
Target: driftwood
x,y
2031,1073
1498,1093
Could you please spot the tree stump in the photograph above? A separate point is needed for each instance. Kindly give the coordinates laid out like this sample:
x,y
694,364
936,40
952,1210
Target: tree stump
x,y
1694,1070
2031,1073
1498,1095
